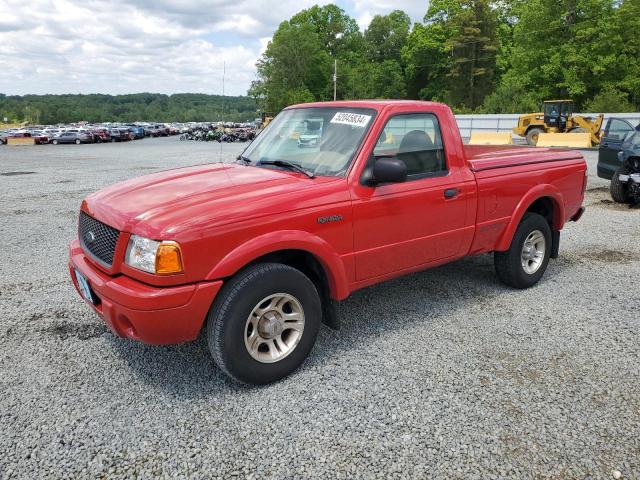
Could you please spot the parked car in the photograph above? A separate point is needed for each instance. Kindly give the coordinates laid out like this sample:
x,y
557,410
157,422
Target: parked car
x,y
625,182
618,157
101,135
36,135
120,135
39,136
255,252
136,132
72,137
613,135
3,137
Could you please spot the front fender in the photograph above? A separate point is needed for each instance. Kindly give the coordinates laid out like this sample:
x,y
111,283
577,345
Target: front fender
x,y
287,240
537,192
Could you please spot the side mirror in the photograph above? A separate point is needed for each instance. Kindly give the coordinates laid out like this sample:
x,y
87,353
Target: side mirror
x,y
386,170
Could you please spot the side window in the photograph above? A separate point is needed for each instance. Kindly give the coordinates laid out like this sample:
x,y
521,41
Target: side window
x,y
416,140
617,129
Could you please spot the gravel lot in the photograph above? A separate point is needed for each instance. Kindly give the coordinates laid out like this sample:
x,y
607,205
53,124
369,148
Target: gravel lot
x,y
441,374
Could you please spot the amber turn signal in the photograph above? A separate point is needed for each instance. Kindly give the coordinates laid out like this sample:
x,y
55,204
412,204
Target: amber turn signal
x,y
168,259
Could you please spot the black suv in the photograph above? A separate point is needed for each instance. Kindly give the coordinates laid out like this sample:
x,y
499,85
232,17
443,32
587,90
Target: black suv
x,y
619,160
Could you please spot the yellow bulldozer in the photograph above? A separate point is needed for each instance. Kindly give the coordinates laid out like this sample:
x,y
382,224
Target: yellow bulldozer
x,y
558,117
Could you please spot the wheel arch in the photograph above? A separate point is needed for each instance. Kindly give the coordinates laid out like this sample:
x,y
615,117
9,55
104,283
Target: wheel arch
x,y
545,200
309,253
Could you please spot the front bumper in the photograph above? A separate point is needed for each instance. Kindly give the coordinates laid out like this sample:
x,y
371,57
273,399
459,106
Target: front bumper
x,y
132,309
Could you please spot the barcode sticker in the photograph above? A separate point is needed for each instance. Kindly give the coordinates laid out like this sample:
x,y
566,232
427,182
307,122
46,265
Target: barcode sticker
x,y
353,119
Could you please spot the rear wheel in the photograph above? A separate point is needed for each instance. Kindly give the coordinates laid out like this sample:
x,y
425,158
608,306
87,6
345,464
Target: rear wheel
x,y
532,136
78,142
55,142
264,323
525,262
619,191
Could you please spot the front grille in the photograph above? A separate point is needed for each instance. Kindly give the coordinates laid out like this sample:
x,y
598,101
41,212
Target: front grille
x,y
97,238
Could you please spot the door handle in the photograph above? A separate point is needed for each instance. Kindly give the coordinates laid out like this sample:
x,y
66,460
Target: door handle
x,y
451,193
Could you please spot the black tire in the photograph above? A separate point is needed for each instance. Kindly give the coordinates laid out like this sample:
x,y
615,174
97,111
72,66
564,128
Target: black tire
x,y
508,265
532,136
78,142
55,142
619,191
227,321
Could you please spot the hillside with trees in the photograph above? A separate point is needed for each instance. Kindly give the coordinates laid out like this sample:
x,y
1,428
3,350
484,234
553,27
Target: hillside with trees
x,y
502,56
182,107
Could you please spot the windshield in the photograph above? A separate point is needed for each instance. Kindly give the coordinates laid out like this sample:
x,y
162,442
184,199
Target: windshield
x,y
632,140
322,141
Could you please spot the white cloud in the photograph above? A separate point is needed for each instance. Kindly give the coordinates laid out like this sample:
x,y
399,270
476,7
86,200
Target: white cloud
x,y
165,46
365,10
90,46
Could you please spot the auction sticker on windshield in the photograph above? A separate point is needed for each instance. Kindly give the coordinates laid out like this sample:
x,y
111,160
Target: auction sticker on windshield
x,y
353,119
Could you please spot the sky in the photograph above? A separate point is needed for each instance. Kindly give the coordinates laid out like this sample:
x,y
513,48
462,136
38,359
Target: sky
x,y
159,46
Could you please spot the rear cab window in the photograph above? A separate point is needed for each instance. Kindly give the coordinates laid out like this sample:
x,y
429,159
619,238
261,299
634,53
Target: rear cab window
x,y
416,139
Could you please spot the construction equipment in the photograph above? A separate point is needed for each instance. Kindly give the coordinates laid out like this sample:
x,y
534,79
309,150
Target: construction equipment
x,y
558,117
491,138
266,119
570,140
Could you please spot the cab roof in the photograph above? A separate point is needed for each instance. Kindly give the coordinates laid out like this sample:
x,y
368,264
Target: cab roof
x,y
373,104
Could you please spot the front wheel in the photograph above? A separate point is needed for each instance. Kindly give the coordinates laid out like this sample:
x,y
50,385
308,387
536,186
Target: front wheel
x,y
78,142
525,262
264,323
55,142
619,191
532,136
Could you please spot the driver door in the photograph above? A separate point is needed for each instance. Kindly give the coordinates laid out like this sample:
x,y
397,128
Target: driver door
x,y
398,226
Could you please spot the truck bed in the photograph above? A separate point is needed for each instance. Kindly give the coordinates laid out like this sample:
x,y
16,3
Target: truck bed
x,y
489,157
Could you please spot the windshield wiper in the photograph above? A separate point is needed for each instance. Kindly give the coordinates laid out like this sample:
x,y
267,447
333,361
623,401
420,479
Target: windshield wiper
x,y
244,159
289,165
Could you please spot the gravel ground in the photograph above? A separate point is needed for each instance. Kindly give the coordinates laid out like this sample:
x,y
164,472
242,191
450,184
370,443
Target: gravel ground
x,y
441,374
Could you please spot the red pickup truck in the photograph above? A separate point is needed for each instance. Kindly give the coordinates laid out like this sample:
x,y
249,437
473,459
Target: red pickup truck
x,y
256,251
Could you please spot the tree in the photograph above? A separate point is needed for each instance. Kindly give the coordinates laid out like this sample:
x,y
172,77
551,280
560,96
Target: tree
x,y
609,100
473,45
570,48
386,36
452,57
337,32
294,60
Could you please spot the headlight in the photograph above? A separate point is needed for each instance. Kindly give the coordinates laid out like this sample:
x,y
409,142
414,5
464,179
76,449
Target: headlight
x,y
162,258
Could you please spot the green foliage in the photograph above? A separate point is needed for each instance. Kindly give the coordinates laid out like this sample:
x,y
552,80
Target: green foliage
x,y
452,57
386,36
511,96
571,48
502,56
184,107
609,100
473,44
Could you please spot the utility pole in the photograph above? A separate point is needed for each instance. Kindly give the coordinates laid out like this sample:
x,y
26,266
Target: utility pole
x,y
224,72
335,78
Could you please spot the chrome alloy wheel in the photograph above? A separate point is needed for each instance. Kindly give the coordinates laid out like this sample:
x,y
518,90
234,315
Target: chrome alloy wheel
x,y
274,328
533,252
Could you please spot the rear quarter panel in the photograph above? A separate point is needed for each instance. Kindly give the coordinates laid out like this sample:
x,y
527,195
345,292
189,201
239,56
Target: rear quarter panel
x,y
504,194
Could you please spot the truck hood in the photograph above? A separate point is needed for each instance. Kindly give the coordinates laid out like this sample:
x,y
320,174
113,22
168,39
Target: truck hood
x,y
164,203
